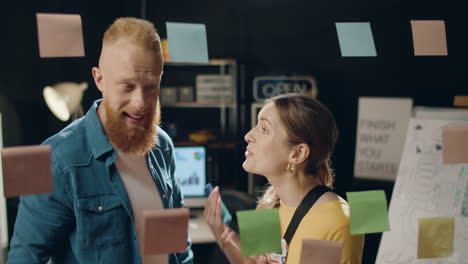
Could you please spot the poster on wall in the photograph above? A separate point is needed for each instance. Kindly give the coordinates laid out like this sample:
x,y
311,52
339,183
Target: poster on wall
x,y
381,130
428,210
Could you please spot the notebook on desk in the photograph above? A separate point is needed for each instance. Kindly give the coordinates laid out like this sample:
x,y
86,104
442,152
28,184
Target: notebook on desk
x,y
190,172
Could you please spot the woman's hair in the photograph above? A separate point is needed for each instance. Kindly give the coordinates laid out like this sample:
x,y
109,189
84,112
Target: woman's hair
x,y
306,121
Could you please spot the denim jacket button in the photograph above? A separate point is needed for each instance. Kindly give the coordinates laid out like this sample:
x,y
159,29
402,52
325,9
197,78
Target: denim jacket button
x,y
100,208
164,196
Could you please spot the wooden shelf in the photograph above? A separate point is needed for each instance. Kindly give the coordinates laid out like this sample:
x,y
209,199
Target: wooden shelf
x,y
211,62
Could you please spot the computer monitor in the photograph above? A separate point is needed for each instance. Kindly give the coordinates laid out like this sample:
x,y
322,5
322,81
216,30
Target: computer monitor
x,y
190,172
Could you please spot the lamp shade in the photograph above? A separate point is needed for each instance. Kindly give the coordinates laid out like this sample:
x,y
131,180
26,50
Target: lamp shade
x,y
64,99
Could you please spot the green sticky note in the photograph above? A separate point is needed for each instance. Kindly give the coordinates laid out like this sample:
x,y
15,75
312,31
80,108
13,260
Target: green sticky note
x,y
356,39
368,211
260,231
187,42
435,239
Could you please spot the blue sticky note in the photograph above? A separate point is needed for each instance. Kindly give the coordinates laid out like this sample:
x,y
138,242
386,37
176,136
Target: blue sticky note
x,y
225,212
187,42
356,39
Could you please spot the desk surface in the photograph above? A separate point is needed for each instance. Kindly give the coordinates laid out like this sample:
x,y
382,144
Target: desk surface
x,y
199,230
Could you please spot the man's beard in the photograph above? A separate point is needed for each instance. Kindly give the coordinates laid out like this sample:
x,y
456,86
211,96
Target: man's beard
x,y
133,139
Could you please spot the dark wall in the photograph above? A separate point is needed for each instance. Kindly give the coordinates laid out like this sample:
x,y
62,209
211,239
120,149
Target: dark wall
x,y
24,73
299,37
266,37
26,118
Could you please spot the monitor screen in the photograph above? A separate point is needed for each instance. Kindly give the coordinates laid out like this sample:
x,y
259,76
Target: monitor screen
x,y
190,170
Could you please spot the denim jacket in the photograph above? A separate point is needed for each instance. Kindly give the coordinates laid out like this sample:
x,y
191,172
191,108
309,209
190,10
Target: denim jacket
x,y
88,218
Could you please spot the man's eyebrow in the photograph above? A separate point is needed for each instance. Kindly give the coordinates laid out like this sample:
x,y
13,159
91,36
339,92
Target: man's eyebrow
x,y
150,81
126,79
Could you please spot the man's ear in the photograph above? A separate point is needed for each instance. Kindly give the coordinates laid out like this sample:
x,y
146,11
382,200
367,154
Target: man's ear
x,y
299,153
98,78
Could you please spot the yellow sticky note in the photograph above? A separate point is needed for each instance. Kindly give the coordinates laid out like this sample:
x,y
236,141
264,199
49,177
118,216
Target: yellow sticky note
x,y
435,237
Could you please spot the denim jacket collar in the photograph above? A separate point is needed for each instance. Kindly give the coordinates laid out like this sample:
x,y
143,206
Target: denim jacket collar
x,y
100,145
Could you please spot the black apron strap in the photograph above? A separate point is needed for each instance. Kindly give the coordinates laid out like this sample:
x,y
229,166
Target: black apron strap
x,y
309,200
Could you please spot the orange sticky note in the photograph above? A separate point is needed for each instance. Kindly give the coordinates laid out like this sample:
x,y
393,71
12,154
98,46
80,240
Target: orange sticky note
x,y
165,231
60,35
429,38
435,239
26,170
455,144
321,251
460,100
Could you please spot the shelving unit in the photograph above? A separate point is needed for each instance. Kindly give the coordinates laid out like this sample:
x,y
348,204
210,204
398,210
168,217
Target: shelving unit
x,y
228,111
221,118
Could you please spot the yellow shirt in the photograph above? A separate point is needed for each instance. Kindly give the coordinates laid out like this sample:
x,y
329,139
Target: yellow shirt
x,y
326,221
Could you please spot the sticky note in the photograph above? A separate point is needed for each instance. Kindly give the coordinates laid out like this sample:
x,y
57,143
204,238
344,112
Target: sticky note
x,y
260,231
429,38
165,231
26,170
225,212
321,251
435,237
368,210
187,42
460,100
356,39
455,144
60,35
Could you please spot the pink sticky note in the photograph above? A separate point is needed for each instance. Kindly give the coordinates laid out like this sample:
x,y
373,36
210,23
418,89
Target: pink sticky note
x,y
429,38
321,251
455,144
60,35
26,170
165,230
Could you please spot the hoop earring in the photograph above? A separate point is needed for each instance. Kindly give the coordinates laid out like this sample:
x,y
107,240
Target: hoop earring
x,y
291,167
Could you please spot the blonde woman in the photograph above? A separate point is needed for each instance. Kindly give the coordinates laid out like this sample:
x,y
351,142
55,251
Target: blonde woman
x,y
291,146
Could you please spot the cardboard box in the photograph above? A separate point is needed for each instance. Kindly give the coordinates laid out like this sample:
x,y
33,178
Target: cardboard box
x,y
168,95
215,88
186,94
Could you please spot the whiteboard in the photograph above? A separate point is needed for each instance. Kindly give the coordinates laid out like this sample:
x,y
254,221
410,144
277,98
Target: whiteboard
x,y
425,188
381,130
